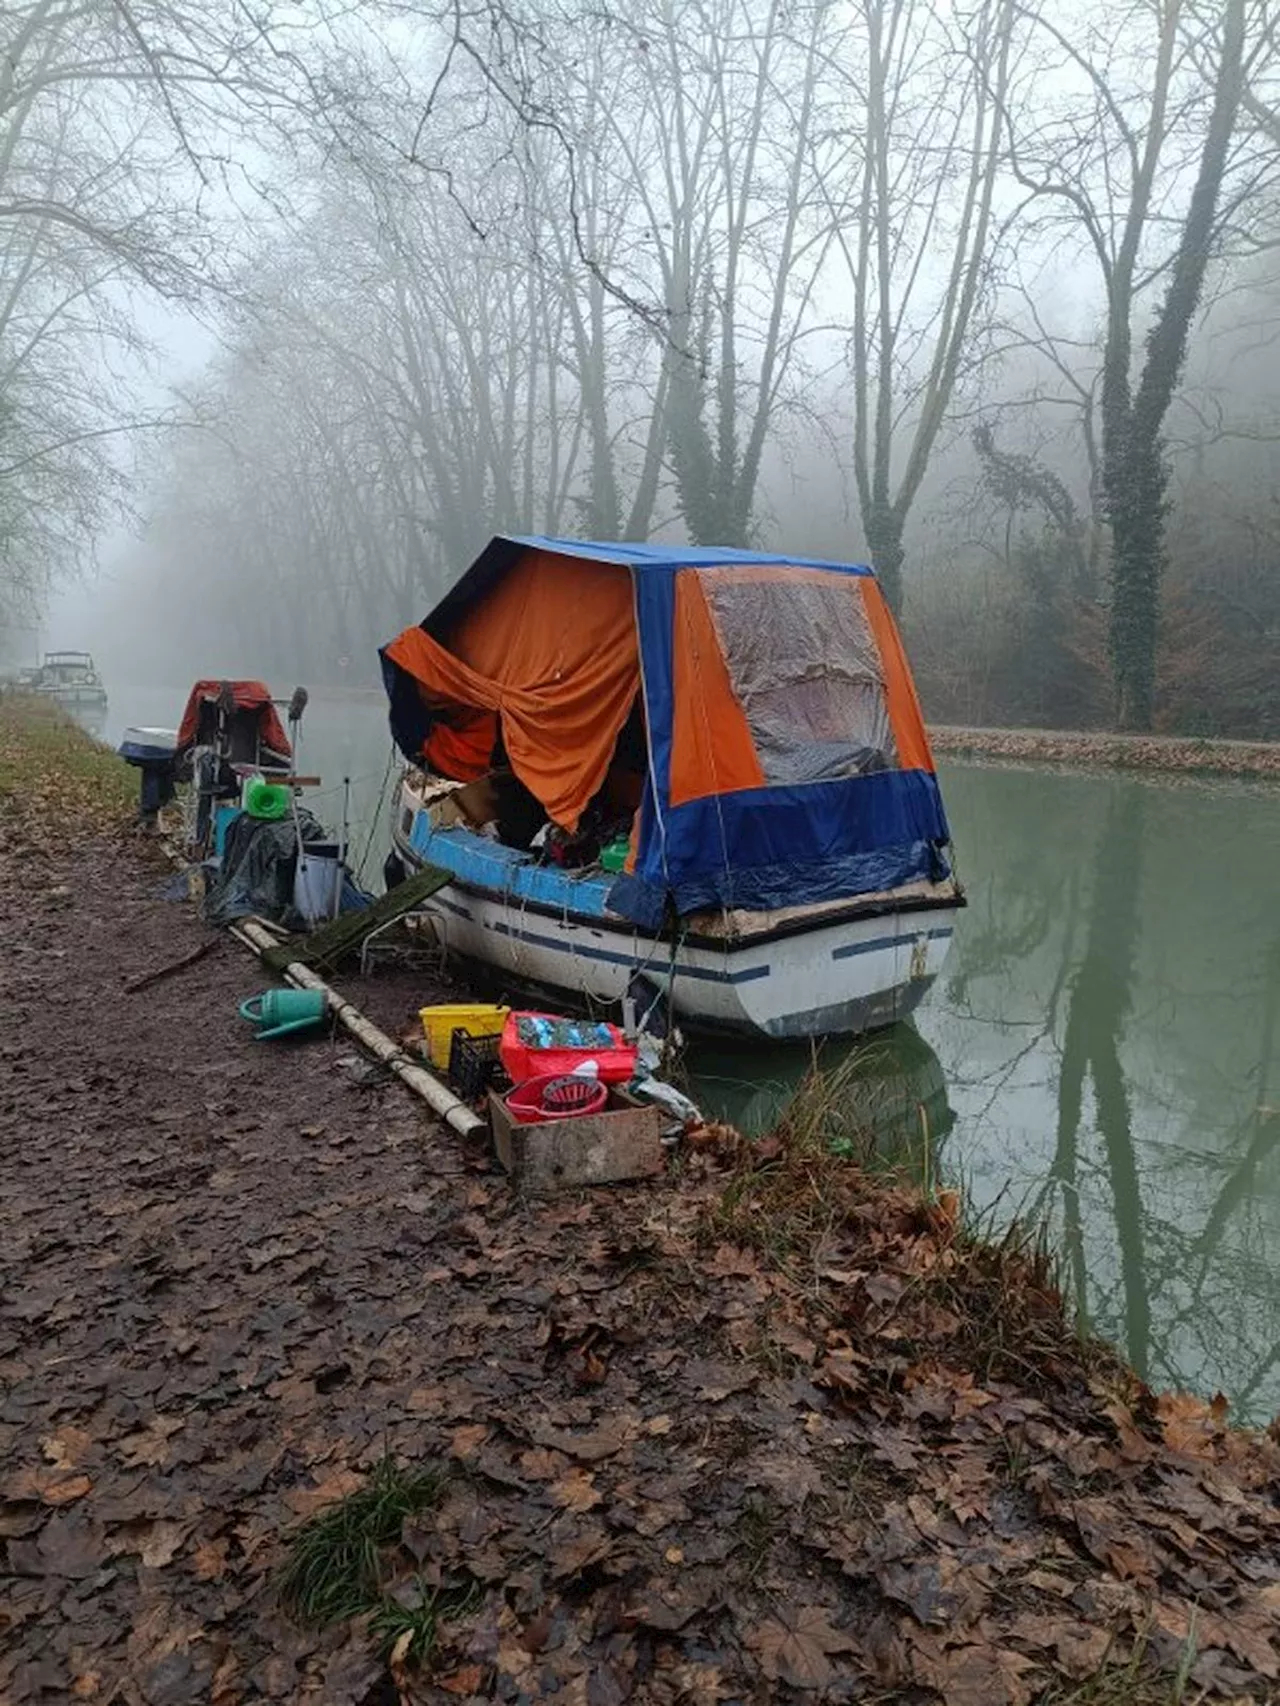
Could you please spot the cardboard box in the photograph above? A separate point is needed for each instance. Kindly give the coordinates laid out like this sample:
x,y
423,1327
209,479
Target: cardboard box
x,y
622,1142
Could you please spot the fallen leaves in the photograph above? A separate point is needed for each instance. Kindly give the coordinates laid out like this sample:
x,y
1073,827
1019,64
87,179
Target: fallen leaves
x,y
575,1491
1125,1551
150,1446
798,1650
677,1472
66,1489
976,1675
68,1448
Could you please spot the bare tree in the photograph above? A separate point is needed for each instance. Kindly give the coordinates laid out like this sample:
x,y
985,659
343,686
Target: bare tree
x,y
1141,160
920,237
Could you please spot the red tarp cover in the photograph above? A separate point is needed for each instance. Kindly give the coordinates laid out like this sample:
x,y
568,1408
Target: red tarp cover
x,y
249,696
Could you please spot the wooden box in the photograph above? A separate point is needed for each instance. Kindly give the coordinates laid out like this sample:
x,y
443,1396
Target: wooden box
x,y
622,1142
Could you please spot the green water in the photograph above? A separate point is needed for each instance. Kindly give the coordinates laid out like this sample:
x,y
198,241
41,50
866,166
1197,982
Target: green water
x,y
1106,1031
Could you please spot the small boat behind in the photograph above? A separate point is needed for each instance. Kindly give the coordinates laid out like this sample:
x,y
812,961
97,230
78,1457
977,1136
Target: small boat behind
x,y
71,679
686,775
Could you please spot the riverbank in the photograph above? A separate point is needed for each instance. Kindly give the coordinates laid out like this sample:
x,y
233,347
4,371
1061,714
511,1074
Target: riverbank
x,y
1097,749
771,1430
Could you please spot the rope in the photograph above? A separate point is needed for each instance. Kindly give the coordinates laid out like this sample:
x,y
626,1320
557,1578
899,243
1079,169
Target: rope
x,y
376,818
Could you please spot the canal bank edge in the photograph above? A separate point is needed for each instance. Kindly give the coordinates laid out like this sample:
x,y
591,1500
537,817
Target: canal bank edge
x,y
1097,749
775,1427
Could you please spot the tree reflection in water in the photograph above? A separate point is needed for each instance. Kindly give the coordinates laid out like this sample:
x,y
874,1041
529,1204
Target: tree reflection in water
x,y
1107,1025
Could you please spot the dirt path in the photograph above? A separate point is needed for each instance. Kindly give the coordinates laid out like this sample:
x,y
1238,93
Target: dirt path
x,y
210,1251
796,1442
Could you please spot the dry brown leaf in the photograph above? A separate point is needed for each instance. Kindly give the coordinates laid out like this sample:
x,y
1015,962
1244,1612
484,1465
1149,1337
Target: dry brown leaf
x,y
66,1449
575,1491
399,1652
542,1465
65,1490
797,1651
975,1676
209,1561
305,1501
1048,1582
150,1447
464,1681
467,1440
698,1684
1080,1647
162,1544
1125,1551
271,1250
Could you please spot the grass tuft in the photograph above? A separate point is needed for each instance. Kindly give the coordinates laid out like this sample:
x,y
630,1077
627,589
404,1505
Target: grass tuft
x,y
1128,1682
406,1624
337,1561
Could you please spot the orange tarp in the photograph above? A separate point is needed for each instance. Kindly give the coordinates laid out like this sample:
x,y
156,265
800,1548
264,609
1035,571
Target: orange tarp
x,y
552,651
711,747
905,715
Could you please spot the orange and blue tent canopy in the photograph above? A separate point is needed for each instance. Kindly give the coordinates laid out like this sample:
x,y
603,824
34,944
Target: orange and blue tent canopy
x,y
788,760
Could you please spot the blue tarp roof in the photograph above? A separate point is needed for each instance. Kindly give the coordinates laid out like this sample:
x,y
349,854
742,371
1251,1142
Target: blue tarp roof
x,y
504,550
659,554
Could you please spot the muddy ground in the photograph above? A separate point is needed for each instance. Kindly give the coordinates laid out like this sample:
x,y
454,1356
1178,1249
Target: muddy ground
x,y
709,1441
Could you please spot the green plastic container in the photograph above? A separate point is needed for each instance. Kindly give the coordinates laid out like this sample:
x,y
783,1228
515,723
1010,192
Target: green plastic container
x,y
277,1012
266,799
614,856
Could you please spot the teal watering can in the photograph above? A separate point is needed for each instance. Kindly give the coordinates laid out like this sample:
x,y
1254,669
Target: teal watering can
x,y
277,1012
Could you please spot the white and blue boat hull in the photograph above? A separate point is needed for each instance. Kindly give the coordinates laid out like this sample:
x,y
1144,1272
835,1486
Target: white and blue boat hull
x,y
846,968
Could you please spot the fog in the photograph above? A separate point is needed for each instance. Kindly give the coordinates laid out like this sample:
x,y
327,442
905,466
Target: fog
x,y
299,309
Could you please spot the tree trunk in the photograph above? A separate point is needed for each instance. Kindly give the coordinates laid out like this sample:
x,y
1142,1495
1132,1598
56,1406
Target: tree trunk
x,y
884,539
1135,475
1136,479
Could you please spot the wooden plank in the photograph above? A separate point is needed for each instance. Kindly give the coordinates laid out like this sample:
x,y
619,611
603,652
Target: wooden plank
x,y
333,942
624,1142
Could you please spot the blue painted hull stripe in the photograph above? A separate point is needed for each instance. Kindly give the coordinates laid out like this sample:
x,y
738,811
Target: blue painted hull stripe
x,y
705,974
851,949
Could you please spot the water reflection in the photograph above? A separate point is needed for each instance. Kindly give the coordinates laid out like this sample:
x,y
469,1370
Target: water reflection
x,y
892,1086
1107,1026
1105,1032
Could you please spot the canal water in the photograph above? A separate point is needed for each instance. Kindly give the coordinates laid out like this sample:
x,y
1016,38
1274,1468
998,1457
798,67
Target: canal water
x,y
1100,1050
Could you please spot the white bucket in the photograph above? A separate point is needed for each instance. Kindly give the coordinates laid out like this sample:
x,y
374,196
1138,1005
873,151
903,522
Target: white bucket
x,y
317,884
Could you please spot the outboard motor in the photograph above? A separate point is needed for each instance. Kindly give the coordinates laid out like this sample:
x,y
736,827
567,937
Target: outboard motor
x,y
151,751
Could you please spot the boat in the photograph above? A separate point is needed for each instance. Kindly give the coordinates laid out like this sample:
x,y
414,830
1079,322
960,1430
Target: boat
x,y
72,680
696,777
230,730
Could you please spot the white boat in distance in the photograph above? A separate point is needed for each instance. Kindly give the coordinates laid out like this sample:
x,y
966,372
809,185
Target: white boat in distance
x,y
71,679
749,725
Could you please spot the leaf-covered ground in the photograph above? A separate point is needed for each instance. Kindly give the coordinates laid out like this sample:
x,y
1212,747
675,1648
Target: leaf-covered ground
x,y
759,1434
1098,749
53,776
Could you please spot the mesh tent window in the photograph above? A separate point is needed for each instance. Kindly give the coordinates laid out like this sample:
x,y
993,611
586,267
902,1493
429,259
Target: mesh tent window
x,y
806,670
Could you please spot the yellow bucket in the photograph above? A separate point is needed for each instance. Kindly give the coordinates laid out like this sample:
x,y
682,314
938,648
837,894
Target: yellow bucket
x,y
439,1024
